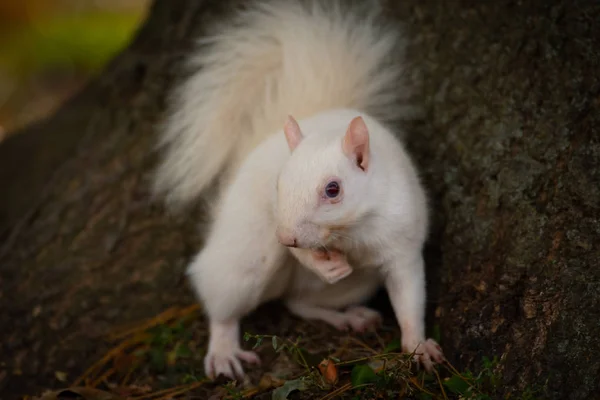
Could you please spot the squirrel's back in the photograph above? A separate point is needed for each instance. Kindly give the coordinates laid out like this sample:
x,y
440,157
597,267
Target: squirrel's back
x,y
275,58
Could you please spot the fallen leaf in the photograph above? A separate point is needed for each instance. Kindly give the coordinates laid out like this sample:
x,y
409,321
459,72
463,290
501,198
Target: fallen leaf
x,y
329,371
282,393
363,374
61,376
456,385
377,365
268,382
37,309
393,346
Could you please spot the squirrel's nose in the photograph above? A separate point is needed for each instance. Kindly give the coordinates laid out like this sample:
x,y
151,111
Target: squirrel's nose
x,y
286,239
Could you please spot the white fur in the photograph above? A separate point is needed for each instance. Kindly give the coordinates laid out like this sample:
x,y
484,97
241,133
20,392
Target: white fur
x,y
325,65
276,58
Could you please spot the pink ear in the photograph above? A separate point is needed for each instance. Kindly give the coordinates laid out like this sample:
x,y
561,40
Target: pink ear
x,y
292,131
356,143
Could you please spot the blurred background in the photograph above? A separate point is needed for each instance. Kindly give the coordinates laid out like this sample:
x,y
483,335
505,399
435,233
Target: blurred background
x,y
50,48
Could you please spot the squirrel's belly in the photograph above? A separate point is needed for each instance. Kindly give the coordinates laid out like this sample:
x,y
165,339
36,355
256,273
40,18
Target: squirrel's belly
x,y
358,287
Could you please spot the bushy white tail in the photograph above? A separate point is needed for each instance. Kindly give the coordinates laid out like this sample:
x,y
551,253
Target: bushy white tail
x,y
276,58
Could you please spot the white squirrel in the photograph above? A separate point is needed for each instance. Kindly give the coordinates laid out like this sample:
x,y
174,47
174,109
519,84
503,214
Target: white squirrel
x,y
320,213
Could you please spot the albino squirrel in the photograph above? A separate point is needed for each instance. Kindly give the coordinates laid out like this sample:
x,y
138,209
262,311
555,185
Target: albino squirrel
x,y
318,213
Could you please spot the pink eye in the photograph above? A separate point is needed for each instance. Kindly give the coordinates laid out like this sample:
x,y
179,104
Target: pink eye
x,y
332,190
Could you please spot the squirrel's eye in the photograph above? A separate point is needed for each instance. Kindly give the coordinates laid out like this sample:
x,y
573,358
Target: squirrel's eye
x,y
332,190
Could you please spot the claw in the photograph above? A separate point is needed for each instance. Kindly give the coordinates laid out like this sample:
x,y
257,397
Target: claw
x,y
427,354
249,356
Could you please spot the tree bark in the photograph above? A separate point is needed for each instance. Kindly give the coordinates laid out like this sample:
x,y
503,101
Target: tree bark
x,y
508,148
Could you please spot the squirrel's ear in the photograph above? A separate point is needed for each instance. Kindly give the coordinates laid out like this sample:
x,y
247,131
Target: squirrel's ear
x,y
292,131
356,143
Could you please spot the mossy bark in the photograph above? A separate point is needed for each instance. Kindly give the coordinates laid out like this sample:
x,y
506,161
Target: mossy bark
x,y
508,146
512,149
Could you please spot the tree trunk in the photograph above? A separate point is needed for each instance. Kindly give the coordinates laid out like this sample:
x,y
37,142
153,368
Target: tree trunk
x,y
508,147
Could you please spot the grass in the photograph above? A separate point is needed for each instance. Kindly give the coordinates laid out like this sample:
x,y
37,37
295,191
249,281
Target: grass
x,y
162,359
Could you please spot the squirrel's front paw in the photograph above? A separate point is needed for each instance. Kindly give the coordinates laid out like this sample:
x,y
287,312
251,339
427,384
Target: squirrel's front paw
x,y
332,265
227,362
426,352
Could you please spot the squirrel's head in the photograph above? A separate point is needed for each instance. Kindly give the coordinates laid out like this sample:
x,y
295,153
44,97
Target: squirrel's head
x,y
321,190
